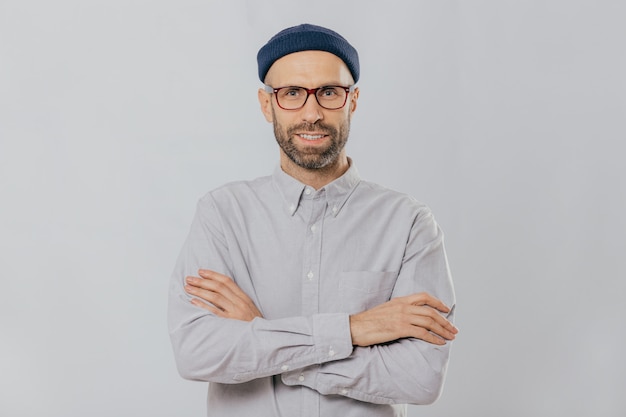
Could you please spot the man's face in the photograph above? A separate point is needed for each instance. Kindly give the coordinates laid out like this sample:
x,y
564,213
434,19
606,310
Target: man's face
x,y
311,137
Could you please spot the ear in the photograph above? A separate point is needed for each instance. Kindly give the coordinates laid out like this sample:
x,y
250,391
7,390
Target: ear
x,y
265,100
353,100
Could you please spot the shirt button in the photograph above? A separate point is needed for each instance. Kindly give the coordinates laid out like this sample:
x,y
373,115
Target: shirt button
x,y
313,228
344,391
335,209
310,275
307,191
331,353
284,367
301,377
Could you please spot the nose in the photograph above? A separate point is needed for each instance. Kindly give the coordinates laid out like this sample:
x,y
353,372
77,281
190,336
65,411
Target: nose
x,y
311,111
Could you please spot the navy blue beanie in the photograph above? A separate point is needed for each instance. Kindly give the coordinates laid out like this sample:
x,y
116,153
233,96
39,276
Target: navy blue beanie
x,y
307,37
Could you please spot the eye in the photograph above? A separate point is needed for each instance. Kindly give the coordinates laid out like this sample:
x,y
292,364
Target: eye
x,y
291,92
328,92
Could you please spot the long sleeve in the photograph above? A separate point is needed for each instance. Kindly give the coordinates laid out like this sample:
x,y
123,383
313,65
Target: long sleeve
x,y
308,259
214,349
407,370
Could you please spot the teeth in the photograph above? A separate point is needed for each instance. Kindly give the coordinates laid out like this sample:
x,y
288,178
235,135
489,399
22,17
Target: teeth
x,y
312,137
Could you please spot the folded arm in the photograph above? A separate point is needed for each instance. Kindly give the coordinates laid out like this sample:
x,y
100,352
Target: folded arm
x,y
394,353
410,369
210,346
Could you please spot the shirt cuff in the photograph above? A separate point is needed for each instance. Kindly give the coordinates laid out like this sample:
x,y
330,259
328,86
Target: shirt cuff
x,y
333,341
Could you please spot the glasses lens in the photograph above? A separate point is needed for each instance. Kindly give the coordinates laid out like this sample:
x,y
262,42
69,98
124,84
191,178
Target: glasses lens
x,y
292,98
331,97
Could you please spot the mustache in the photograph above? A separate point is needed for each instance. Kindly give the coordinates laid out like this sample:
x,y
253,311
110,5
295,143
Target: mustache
x,y
310,127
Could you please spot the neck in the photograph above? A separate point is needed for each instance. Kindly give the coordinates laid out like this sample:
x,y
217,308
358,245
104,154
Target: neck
x,y
316,178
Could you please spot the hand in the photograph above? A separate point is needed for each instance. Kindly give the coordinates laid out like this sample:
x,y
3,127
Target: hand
x,y
416,315
225,297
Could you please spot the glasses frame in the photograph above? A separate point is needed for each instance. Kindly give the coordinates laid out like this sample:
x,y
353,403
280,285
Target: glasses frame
x,y
349,89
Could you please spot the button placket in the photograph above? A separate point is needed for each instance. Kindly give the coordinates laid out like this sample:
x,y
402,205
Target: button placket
x,y
312,251
316,207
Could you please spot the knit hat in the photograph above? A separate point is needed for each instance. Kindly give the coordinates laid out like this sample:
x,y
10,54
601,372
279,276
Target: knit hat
x,y
307,37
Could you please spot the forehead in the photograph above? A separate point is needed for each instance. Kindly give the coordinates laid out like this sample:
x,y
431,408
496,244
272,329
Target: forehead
x,y
309,69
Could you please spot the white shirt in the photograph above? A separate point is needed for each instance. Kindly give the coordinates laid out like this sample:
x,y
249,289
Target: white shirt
x,y
308,259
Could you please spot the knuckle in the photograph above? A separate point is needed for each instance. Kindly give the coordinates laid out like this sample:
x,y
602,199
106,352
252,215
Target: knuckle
x,y
422,296
421,333
403,300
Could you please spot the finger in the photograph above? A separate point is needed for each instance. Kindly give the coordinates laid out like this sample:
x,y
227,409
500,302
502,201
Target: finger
x,y
206,306
211,285
429,318
225,280
217,286
424,298
230,289
221,291
425,335
429,300
223,284
433,327
215,298
234,314
420,304
427,326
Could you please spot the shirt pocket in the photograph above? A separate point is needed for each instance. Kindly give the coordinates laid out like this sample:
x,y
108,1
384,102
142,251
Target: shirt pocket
x,y
362,290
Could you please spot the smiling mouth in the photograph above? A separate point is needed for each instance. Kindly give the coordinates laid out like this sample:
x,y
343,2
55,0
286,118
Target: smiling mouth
x,y
306,136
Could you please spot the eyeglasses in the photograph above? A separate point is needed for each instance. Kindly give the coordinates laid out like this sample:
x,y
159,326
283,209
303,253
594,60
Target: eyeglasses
x,y
330,97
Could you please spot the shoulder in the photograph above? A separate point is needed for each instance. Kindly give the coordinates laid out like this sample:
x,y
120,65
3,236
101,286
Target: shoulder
x,y
236,190
375,195
400,213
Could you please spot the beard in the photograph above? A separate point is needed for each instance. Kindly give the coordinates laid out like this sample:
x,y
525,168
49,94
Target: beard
x,y
312,157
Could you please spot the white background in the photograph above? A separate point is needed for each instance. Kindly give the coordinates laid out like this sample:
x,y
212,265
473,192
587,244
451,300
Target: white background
x,y
506,117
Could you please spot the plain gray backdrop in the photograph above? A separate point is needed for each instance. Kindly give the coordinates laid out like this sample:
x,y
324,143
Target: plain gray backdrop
x,y
506,117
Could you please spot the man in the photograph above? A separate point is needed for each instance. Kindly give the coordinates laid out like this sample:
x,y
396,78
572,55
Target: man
x,y
312,292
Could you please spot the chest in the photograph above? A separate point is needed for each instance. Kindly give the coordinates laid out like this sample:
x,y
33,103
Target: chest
x,y
315,261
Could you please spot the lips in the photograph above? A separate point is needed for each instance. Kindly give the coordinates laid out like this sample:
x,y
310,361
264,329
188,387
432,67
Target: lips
x,y
312,133
311,136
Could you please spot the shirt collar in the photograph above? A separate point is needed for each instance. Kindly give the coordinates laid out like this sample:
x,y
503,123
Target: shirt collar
x,y
337,192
